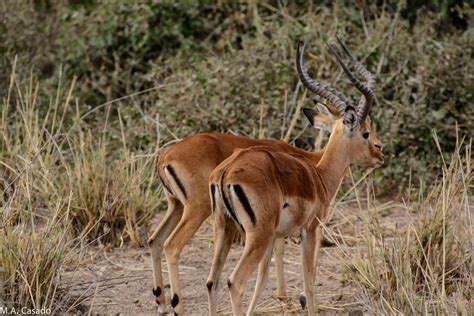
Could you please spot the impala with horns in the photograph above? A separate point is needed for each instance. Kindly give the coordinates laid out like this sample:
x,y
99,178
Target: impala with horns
x,y
184,170
265,194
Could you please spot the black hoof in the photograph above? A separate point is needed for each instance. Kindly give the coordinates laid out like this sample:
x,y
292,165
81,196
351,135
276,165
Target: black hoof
x,y
303,301
157,292
174,300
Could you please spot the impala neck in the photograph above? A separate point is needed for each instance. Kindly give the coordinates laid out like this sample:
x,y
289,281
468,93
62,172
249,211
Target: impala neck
x,y
333,164
316,156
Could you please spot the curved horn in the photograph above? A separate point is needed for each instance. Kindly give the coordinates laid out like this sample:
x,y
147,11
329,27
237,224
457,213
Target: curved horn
x,y
368,76
335,97
366,102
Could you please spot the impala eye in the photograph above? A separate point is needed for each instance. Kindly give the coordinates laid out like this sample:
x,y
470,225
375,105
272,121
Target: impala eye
x,y
365,135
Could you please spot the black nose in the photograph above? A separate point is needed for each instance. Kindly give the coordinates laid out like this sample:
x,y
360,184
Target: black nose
x,y
378,146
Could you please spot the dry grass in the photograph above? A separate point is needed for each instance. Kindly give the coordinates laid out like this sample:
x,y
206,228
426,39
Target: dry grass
x,y
69,178
423,265
61,189
113,199
33,256
36,245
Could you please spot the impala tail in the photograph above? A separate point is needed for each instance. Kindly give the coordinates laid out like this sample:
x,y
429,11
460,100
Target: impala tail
x,y
222,202
223,195
171,179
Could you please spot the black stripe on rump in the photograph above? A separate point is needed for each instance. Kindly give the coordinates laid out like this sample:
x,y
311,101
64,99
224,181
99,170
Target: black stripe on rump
x,y
245,202
164,184
176,179
227,204
213,198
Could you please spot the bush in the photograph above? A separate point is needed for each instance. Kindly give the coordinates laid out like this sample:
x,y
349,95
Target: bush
x,y
423,85
232,66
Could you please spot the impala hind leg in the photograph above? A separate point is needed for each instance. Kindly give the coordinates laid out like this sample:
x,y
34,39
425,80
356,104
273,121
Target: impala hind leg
x,y
192,218
308,245
254,250
156,242
279,252
262,277
224,233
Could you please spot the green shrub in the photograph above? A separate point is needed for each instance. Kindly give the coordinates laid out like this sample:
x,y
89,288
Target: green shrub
x,y
423,85
232,65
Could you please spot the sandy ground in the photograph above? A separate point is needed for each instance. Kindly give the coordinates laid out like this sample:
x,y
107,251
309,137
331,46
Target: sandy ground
x,y
119,281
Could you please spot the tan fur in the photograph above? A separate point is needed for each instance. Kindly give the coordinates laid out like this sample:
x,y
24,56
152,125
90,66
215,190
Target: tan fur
x,y
271,180
193,160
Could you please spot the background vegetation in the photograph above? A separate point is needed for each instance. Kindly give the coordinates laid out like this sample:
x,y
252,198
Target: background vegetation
x,y
229,62
91,91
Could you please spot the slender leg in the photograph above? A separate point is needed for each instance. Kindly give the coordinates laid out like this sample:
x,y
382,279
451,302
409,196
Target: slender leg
x,y
155,243
308,245
224,233
188,225
261,279
279,252
319,239
254,250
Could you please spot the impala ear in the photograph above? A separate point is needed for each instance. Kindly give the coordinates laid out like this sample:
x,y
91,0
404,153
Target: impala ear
x,y
327,109
324,109
349,117
319,120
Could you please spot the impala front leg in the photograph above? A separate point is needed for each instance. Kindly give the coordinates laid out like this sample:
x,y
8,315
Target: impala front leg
x,y
308,243
279,252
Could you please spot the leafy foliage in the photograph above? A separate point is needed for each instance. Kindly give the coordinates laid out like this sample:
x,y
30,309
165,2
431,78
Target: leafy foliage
x,y
230,67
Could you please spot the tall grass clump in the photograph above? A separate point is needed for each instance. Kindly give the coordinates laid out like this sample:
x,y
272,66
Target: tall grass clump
x,y
33,255
48,152
62,187
114,198
29,157
36,244
425,267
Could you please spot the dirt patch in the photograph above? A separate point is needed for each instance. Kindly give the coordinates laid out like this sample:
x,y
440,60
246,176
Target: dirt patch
x,y
119,281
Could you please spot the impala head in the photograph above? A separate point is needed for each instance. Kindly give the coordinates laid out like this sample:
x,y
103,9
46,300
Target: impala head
x,y
353,126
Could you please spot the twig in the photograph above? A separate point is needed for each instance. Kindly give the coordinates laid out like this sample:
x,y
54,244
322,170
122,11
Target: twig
x,y
83,116
295,118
